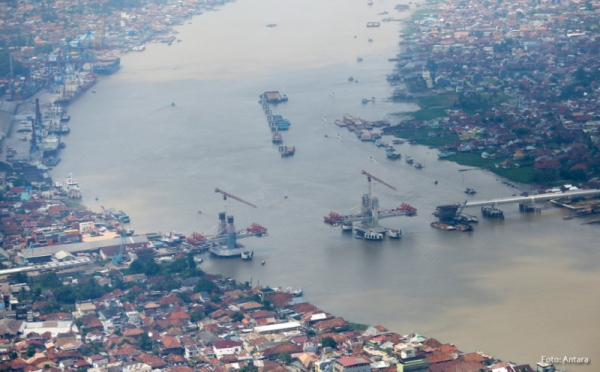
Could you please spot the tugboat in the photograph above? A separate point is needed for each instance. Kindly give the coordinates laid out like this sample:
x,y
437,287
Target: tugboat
x,y
443,226
294,292
463,228
391,153
247,255
395,234
467,218
409,160
470,191
418,166
277,138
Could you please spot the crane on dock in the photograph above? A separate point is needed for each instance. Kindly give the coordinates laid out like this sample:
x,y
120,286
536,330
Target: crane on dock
x,y
370,214
118,257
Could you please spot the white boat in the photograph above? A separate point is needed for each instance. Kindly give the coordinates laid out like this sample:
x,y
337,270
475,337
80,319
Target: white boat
x,y
395,234
347,226
247,255
371,235
294,292
71,187
409,160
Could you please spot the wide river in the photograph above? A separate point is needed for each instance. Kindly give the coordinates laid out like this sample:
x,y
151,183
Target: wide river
x,y
518,289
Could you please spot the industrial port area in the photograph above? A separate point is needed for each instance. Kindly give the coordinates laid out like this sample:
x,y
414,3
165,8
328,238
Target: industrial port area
x,y
85,290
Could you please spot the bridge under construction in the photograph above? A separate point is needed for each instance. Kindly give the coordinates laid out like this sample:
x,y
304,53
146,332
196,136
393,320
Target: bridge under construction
x,y
452,213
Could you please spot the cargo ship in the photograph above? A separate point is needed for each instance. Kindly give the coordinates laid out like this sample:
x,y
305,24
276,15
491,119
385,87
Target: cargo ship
x,y
72,88
109,65
50,145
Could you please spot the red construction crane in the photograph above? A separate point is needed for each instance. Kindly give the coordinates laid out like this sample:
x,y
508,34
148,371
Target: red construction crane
x,y
378,180
226,194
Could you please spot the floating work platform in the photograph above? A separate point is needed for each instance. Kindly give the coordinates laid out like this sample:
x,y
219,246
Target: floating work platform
x,y
287,150
273,97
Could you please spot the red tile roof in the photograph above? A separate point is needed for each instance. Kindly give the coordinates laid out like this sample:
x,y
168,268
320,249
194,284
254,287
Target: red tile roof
x,y
348,361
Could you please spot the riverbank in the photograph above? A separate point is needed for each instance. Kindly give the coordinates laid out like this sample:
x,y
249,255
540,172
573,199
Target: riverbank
x,y
467,94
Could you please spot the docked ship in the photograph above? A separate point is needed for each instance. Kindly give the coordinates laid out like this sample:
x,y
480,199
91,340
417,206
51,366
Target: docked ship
x,y
70,187
50,145
72,88
58,128
109,65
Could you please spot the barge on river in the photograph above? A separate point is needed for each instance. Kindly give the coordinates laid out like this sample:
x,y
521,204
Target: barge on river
x,y
273,97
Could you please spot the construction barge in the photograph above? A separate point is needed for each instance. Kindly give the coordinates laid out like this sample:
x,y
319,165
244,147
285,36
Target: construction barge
x,y
277,123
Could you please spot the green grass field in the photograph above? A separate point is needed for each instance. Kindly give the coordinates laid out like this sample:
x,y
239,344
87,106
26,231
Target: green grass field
x,y
430,113
523,174
438,100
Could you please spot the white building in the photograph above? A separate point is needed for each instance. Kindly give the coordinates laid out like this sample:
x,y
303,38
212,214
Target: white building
x,y
192,351
133,316
227,347
54,327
